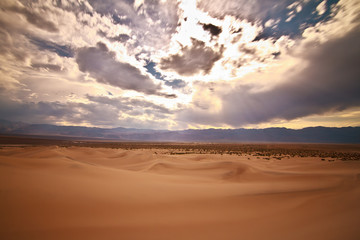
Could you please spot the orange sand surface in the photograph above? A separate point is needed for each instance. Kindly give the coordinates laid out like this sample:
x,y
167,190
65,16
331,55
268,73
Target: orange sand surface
x,y
100,193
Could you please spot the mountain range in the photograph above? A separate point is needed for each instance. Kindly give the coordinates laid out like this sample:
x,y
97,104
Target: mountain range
x,y
308,135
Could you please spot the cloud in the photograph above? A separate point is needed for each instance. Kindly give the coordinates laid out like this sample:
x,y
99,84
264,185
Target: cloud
x,y
12,46
259,65
40,112
177,83
121,38
61,50
131,112
102,65
159,16
329,82
122,8
214,30
129,104
292,17
46,66
192,59
34,18
250,9
321,8
100,111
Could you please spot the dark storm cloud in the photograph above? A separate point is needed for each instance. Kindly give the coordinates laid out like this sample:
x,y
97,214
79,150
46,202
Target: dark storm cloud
x,y
34,18
121,38
121,19
330,82
61,50
263,36
169,96
100,111
214,30
191,60
102,65
40,112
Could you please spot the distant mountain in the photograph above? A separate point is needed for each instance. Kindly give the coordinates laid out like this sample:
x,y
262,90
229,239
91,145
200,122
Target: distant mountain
x,y
7,126
310,135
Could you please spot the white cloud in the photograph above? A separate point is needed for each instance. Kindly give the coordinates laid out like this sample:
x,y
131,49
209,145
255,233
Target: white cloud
x,y
345,19
298,8
270,23
321,8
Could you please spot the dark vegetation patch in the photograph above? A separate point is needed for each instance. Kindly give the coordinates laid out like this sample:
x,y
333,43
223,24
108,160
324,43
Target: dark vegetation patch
x,y
344,152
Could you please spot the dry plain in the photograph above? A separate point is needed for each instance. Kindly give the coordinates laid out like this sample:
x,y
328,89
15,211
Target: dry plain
x,y
179,191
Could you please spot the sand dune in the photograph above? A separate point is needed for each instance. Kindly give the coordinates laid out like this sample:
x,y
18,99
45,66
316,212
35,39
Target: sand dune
x,y
101,193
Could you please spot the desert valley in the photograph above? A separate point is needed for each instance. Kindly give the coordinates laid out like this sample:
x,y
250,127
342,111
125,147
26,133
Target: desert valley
x,y
102,190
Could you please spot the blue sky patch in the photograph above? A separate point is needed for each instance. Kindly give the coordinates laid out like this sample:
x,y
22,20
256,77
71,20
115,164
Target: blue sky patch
x,y
294,26
150,67
174,83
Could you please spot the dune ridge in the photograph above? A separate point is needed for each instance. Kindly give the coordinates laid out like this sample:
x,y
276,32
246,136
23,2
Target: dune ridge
x,y
102,193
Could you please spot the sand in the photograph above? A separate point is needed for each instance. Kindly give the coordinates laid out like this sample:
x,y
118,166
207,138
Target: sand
x,y
55,192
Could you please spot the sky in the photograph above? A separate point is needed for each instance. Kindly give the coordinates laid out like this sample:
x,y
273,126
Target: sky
x,y
179,64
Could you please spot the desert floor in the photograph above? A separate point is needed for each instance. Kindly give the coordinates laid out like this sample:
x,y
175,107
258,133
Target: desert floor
x,y
52,192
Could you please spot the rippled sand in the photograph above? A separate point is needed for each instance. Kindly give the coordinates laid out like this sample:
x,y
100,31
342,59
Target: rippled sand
x,y
99,193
